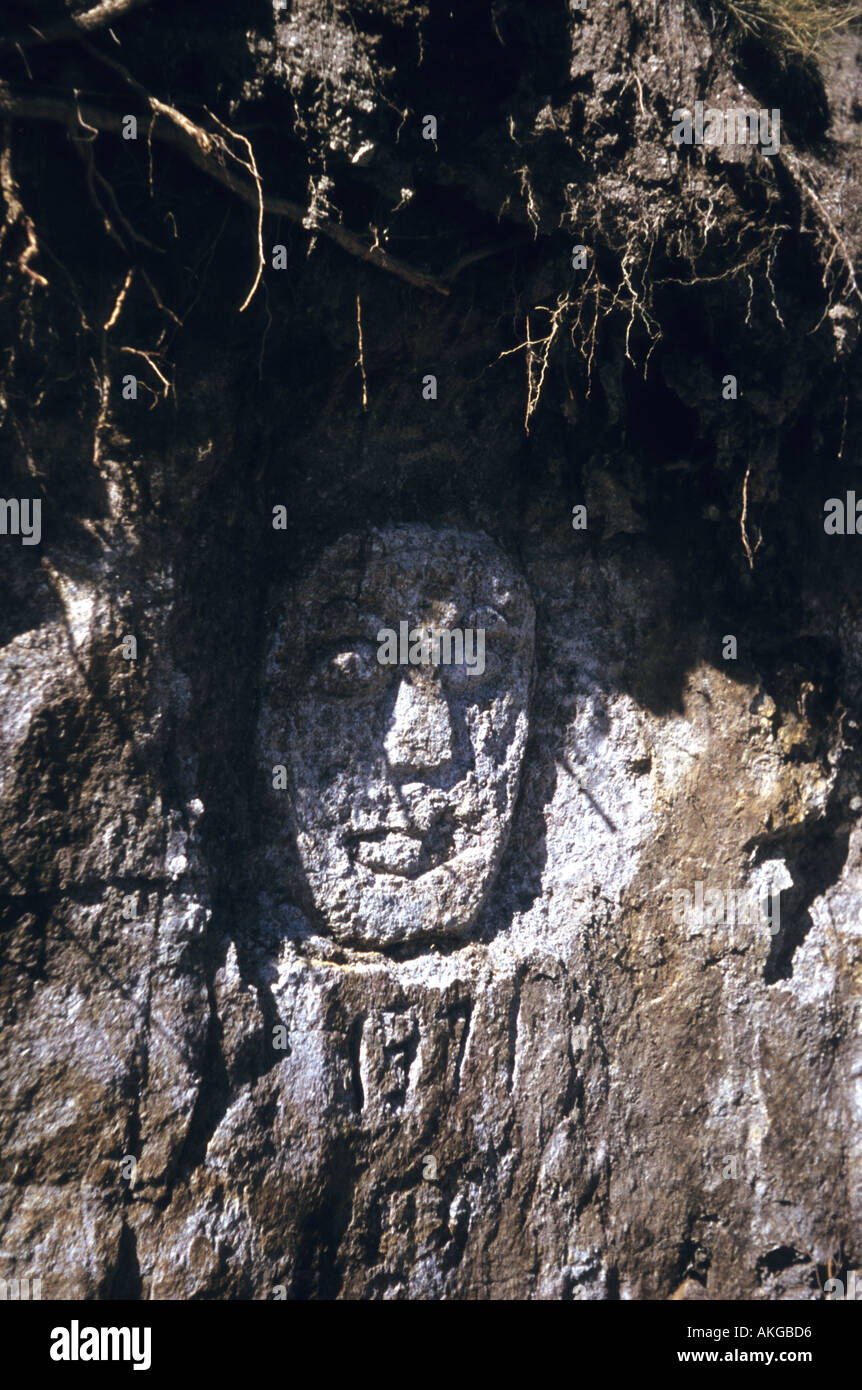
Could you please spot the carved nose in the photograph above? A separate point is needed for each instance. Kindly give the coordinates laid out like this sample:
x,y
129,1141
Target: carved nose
x,y
420,735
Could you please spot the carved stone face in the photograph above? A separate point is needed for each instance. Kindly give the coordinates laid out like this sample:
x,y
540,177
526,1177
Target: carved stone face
x,y
402,778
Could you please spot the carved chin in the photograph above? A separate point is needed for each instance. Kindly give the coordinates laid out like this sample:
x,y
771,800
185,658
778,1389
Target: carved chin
x,y
376,908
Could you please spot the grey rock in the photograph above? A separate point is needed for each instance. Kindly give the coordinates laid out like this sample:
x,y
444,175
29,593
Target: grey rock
x,y
427,1022
403,777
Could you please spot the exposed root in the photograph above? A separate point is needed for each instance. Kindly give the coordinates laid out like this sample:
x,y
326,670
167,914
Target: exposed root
x,y
163,307
360,361
633,294
793,28
103,389
743,527
480,254
23,445
759,253
149,358
118,306
638,303
16,216
537,353
251,166
767,272
586,341
527,195
265,333
829,239
108,12
210,154
90,174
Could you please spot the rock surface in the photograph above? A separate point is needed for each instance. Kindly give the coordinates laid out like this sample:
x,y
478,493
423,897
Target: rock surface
x,y
430,1022
398,681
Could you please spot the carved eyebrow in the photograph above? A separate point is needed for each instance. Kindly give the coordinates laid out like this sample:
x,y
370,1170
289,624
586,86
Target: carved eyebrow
x,y
493,611
340,627
329,645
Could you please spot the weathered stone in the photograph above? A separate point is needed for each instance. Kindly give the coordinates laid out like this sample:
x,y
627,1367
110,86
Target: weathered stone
x,y
403,778
425,1022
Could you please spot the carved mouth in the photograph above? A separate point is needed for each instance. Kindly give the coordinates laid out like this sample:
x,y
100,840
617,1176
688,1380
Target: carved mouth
x,y
403,853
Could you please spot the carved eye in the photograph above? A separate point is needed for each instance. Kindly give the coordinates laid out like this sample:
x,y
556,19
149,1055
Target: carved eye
x,y
481,658
349,672
482,669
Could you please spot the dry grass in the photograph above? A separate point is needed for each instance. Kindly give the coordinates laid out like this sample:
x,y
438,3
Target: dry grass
x,y
793,28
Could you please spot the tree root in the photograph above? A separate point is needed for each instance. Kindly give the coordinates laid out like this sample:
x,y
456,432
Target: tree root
x,y
538,351
743,523
108,12
208,153
360,360
15,214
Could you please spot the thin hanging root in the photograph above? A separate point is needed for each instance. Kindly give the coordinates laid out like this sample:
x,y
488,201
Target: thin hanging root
x,y
118,306
25,448
592,288
208,144
83,144
637,305
770,262
263,339
360,361
536,378
743,520
83,148
828,230
482,253
164,308
15,214
530,388
527,195
640,88
251,166
148,358
103,387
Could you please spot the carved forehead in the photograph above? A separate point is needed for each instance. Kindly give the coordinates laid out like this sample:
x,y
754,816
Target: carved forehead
x,y
405,572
